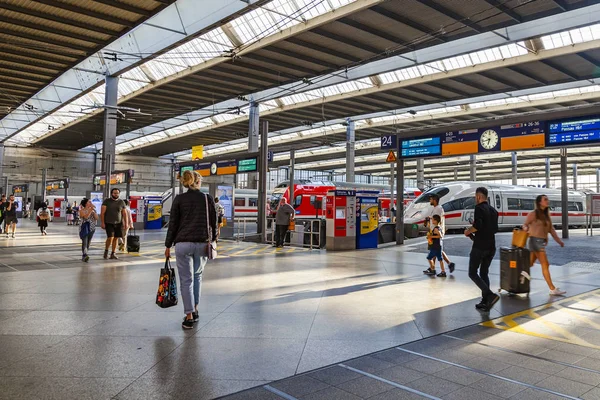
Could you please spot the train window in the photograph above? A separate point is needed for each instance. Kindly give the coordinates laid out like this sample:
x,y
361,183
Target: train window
x,y
240,202
514,204
573,206
252,202
469,203
440,191
527,204
520,204
298,201
555,205
498,202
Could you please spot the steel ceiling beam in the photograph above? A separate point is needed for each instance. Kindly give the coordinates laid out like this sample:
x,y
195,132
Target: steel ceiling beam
x,y
154,36
54,31
126,7
408,22
346,41
54,43
495,3
322,49
38,55
528,75
560,69
543,26
373,31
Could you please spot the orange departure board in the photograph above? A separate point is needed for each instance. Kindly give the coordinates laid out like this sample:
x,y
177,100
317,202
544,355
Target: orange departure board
x,y
526,142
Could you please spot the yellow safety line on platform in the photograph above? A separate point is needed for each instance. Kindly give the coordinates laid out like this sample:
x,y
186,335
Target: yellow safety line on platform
x,y
508,323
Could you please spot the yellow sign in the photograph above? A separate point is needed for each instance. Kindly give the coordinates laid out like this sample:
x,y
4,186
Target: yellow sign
x,y
391,157
369,220
198,152
154,212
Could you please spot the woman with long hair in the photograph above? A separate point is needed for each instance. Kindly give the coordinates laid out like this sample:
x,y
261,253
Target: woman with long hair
x,y
192,228
89,219
539,224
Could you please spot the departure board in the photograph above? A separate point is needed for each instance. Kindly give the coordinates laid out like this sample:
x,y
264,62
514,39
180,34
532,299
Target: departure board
x,y
508,137
574,132
421,147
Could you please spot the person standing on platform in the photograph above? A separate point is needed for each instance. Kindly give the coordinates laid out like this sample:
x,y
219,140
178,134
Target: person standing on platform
x,y
434,201
192,228
485,227
123,240
220,215
2,213
285,213
87,211
69,214
539,224
114,220
43,215
10,216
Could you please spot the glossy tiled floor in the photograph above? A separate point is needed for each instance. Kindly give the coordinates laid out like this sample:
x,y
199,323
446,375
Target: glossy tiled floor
x,y
70,330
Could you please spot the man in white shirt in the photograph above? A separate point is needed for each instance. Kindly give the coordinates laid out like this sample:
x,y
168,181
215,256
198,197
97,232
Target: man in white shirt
x,y
434,201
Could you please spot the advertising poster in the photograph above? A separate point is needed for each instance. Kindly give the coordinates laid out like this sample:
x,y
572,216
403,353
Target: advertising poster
x,y
154,212
96,199
225,196
369,217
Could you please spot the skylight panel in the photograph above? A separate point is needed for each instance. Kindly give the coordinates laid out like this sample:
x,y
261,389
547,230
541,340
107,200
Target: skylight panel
x,y
579,35
135,74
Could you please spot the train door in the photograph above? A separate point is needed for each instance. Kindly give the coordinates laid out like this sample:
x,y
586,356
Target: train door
x,y
495,200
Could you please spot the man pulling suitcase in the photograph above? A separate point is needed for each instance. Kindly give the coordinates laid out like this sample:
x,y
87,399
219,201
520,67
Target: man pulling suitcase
x,y
485,227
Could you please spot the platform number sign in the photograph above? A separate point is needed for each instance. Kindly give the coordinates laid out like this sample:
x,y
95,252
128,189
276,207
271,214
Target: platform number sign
x,y
389,142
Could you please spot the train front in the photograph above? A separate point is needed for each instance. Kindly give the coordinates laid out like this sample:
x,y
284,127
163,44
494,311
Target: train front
x,y
416,212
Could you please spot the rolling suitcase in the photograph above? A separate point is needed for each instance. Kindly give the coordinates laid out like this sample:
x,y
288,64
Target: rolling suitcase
x,y
514,269
133,243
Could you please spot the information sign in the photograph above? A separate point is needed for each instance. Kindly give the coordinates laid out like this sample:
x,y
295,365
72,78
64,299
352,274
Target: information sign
x,y
389,142
247,165
423,147
574,132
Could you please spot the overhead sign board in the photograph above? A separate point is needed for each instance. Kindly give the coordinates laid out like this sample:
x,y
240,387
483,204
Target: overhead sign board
x,y
198,152
510,137
116,178
222,167
247,165
20,188
574,132
389,142
57,184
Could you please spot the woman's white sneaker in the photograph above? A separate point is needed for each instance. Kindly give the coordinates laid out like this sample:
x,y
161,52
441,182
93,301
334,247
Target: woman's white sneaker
x,y
557,292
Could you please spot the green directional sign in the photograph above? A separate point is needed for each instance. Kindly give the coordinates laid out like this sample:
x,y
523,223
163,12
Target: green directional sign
x,y
248,165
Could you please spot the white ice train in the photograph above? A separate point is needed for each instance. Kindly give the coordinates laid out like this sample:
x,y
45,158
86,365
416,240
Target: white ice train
x,y
245,202
513,203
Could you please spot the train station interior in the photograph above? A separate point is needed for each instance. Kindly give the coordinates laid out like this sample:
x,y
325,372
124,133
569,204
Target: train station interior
x,y
368,118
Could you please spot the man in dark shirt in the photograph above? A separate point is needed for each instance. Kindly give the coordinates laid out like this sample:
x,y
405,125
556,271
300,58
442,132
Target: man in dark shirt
x,y
114,220
10,215
484,229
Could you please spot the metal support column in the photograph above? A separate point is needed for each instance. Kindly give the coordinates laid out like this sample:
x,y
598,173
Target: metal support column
x,y
253,134
350,143
392,171
400,202
173,181
598,180
262,181
473,167
564,193
44,179
110,128
575,176
455,174
515,173
4,190
421,174
128,188
548,173
292,172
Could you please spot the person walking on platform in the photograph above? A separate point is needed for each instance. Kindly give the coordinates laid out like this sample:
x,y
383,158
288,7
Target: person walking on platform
x,y
88,215
43,215
69,214
285,213
434,239
485,227
114,220
10,216
123,240
192,228
434,201
539,224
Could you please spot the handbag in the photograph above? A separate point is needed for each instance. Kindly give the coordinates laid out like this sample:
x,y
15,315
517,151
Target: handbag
x,y
166,295
211,247
85,230
519,237
292,225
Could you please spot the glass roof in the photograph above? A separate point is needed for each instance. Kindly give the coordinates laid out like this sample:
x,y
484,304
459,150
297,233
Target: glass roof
x,y
579,35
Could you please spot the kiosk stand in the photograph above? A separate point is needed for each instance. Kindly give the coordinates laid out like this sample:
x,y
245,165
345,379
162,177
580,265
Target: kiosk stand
x,y
340,214
153,218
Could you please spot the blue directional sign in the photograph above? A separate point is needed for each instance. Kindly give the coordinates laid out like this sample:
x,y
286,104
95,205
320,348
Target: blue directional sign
x,y
574,131
270,156
423,147
389,142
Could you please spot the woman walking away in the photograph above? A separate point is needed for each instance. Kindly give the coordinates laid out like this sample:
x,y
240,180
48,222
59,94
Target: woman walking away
x,y
43,215
123,240
89,219
538,224
192,226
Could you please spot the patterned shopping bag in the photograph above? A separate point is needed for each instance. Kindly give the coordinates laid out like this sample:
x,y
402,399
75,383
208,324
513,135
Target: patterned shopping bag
x,y
166,296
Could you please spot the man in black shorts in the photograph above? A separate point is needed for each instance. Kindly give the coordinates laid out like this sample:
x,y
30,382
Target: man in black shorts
x,y
10,215
114,220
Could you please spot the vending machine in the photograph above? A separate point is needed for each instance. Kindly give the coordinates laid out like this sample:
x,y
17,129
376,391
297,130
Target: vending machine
x,y
340,214
137,206
367,214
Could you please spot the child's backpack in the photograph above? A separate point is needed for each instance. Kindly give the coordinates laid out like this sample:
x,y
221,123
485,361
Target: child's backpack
x,y
45,215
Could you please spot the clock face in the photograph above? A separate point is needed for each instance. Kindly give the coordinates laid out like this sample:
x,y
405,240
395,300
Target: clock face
x,y
213,168
489,139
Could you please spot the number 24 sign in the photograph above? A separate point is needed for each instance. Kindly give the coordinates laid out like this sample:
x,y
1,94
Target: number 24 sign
x,y
389,142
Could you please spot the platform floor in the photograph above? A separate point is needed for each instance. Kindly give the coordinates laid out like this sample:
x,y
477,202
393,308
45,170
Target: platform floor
x,y
74,331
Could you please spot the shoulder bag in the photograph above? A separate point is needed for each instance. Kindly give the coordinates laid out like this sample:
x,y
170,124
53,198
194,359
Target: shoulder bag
x,y
211,248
